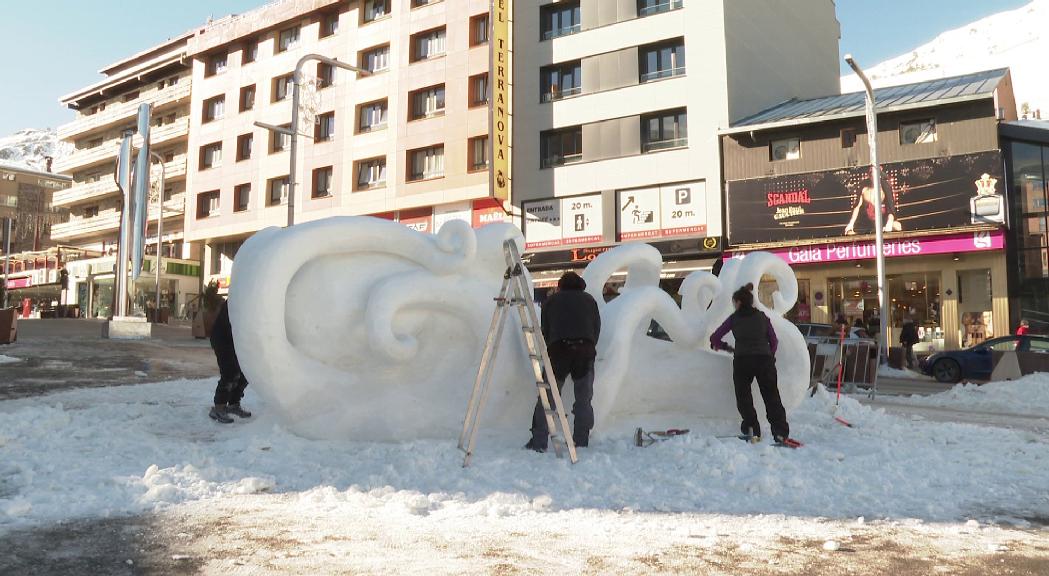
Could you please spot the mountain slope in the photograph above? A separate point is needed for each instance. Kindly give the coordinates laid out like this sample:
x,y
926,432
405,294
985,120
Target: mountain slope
x,y
28,148
1018,39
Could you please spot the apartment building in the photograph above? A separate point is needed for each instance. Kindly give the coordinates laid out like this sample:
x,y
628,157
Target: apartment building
x,y
408,141
160,76
617,105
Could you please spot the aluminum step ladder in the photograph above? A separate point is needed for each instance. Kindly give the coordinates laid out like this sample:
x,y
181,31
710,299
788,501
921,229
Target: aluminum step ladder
x,y
516,294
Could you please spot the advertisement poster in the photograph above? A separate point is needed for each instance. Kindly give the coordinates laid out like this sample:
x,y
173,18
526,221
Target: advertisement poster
x,y
581,220
639,214
683,209
448,212
542,223
930,194
420,220
488,211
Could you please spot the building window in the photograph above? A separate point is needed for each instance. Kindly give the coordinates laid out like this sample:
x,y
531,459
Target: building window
x,y
427,102
250,51
560,147
325,75
371,173
279,141
91,211
214,108
650,7
244,145
287,39
322,182
848,137
560,80
130,96
329,25
247,98
559,19
478,150
663,60
664,130
479,90
211,156
785,149
372,116
208,204
241,197
376,9
429,44
376,59
919,132
418,3
479,26
282,87
216,64
324,127
426,163
278,190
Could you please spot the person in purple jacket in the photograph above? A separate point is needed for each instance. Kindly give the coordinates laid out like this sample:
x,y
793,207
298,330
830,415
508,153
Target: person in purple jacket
x,y
754,356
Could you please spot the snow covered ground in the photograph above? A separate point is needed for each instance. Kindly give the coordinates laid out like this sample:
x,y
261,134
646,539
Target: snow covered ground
x,y
133,449
8,359
1027,396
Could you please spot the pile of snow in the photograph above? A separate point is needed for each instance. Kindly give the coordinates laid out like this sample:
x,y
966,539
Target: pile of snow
x,y
886,371
8,359
29,148
110,451
1017,39
1027,396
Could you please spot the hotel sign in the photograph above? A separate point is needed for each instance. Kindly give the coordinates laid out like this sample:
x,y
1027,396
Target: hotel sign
x,y
499,104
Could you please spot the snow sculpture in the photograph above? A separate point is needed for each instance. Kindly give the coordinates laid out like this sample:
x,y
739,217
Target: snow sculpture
x,y
356,327
637,375
361,328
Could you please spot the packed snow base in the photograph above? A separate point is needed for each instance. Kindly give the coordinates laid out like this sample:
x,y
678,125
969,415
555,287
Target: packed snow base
x,y
1027,396
126,450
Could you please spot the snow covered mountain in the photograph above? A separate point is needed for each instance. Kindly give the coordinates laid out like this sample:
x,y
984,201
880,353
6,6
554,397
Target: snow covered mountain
x,y
28,148
1018,39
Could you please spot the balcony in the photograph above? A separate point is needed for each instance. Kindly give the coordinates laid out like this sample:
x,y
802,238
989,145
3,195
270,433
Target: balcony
x,y
123,111
86,191
110,221
653,8
108,150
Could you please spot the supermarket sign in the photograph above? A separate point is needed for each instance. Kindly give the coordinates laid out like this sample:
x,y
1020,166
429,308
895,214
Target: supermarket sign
x,y
428,220
563,221
662,211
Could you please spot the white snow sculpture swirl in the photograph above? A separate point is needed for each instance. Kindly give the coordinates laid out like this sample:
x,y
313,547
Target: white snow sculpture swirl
x,y
356,327
664,382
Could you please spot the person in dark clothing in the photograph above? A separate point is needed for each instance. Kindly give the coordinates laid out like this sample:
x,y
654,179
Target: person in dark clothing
x,y
232,382
571,325
908,338
754,357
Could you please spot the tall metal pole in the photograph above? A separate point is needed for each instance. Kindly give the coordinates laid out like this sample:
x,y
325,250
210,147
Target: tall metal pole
x,y
879,233
124,182
160,231
7,255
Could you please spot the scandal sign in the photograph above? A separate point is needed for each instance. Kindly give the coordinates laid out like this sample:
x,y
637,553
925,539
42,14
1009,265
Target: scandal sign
x,y
931,194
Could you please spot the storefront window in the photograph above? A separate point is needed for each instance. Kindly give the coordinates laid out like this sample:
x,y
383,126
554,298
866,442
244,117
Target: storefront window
x,y
913,296
1029,175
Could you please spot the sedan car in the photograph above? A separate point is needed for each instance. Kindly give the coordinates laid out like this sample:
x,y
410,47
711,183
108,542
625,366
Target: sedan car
x,y
977,362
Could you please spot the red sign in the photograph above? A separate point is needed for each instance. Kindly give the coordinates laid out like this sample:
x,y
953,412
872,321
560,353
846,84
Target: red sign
x,y
385,215
418,219
488,211
20,282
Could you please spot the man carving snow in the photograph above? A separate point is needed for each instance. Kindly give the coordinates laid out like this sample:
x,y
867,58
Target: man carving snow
x,y
571,325
753,357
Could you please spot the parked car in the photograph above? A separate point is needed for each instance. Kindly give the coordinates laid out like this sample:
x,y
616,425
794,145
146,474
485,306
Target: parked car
x,y
977,362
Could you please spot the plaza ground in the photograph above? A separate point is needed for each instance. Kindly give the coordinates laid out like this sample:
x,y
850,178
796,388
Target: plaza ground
x,y
254,499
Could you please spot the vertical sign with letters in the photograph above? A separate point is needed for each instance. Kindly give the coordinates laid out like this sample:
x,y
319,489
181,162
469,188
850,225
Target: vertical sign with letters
x,y
499,103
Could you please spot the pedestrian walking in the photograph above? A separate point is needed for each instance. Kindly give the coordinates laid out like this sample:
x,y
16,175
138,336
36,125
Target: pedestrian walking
x,y
232,382
908,338
754,357
571,326
1024,328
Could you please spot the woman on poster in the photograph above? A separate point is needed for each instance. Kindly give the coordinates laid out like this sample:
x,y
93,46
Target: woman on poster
x,y
862,221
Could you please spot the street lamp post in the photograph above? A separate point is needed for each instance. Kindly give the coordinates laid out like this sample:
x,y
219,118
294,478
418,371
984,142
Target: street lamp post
x,y
879,233
160,231
293,132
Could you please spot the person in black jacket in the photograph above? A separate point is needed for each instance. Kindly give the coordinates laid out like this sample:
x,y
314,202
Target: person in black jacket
x,y
571,325
232,382
753,357
908,338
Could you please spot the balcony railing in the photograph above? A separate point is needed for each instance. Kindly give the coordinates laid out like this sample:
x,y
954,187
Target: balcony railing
x,y
664,144
109,149
115,113
110,221
660,74
553,161
558,94
87,191
665,6
563,31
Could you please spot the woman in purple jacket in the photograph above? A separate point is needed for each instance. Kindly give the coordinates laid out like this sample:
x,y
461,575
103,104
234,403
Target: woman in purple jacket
x,y
753,357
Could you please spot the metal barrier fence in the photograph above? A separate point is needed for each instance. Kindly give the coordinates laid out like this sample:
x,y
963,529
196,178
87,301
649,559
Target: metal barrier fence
x,y
855,359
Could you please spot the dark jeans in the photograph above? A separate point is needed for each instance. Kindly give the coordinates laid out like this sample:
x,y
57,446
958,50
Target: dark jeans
x,y
744,370
573,358
908,354
232,382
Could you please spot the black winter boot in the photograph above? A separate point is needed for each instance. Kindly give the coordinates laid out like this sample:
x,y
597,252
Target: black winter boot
x,y
218,414
236,410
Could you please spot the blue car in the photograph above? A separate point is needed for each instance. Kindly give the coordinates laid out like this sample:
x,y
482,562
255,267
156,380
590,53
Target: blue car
x,y
977,362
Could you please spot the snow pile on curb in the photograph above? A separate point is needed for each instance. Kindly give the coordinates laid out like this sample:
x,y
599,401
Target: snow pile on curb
x,y
885,371
131,449
1026,396
8,359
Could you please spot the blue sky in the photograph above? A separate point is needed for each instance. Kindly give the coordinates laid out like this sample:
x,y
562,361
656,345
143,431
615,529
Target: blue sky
x,y
51,48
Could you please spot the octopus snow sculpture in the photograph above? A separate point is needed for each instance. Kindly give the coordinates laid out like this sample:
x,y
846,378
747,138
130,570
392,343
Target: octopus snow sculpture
x,y
356,327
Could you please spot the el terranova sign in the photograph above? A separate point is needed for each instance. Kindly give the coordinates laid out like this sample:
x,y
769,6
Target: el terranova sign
x,y
921,246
